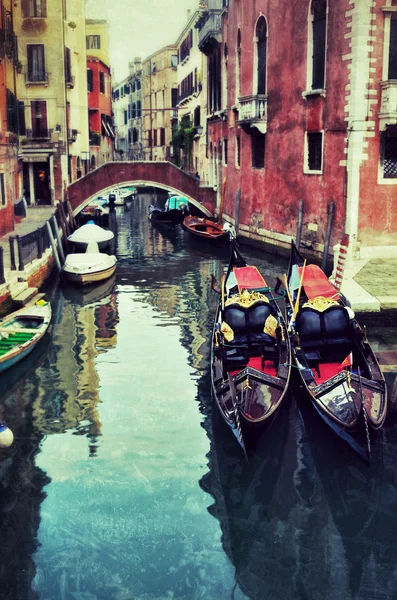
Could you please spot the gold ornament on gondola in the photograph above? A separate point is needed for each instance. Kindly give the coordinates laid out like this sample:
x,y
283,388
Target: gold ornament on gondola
x,y
320,303
246,299
270,327
227,332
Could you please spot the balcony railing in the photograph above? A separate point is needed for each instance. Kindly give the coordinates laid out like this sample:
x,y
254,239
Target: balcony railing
x,y
37,135
210,29
253,111
388,110
37,78
72,135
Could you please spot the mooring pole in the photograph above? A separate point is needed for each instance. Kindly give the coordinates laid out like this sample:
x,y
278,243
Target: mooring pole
x,y
54,248
300,222
331,209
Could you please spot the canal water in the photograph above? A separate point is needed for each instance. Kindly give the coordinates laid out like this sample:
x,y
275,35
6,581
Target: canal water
x,y
123,484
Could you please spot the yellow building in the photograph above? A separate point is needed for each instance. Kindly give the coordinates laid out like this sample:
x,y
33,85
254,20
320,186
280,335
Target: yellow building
x,y
160,91
53,88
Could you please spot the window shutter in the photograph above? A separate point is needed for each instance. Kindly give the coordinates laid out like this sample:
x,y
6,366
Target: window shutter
x,y
43,8
21,115
24,7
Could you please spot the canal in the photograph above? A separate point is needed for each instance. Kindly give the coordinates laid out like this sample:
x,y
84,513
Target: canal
x,y
122,484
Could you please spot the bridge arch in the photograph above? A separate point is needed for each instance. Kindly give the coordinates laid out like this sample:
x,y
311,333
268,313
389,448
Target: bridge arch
x,y
161,174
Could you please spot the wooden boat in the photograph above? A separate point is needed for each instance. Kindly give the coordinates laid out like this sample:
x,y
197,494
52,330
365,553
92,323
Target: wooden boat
x,y
337,365
205,228
174,211
22,330
91,233
90,266
251,353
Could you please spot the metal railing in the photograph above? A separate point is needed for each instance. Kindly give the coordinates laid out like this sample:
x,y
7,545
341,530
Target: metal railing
x,y
29,247
36,77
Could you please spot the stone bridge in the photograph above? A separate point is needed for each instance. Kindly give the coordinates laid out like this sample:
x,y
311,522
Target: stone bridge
x,y
162,174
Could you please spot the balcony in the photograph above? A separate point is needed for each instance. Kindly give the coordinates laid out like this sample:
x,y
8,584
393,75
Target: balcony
x,y
70,81
41,138
36,78
388,110
210,30
72,135
252,112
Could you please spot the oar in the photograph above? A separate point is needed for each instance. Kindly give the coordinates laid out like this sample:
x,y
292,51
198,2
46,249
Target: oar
x,y
298,296
233,394
223,280
365,414
285,284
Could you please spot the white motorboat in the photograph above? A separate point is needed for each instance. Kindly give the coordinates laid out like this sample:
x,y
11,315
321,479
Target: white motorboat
x,y
91,233
89,266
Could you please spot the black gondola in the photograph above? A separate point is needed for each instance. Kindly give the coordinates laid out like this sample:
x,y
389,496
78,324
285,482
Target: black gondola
x,y
175,210
337,365
250,352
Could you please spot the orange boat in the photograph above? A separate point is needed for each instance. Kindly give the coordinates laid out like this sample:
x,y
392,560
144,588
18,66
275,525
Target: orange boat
x,y
205,228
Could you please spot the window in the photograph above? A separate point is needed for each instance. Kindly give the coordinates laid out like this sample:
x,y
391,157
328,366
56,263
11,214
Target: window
x,y
102,82
125,117
133,88
127,89
138,109
153,67
34,8
392,69
155,137
36,63
261,36
238,151
138,85
314,151
68,66
162,136
2,189
389,151
174,61
258,150
93,42
90,83
174,97
225,145
196,117
12,111
39,118
134,135
319,22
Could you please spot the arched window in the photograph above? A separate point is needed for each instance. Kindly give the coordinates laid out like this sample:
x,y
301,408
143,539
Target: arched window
x,y
93,162
238,64
138,84
261,37
318,35
134,135
133,87
133,110
138,109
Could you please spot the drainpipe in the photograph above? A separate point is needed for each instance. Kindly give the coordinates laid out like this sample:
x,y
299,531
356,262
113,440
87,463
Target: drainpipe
x,y
300,223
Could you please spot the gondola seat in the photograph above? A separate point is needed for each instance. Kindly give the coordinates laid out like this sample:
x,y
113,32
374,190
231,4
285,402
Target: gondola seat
x,y
325,336
259,341
249,338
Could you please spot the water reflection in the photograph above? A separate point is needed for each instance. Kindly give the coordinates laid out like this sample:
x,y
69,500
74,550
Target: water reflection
x,y
122,484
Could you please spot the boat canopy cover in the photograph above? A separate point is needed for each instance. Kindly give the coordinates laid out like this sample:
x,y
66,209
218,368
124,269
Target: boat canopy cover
x,y
175,202
316,283
248,278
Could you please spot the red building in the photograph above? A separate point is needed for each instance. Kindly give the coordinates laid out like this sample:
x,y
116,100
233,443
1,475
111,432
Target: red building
x,y
302,106
100,111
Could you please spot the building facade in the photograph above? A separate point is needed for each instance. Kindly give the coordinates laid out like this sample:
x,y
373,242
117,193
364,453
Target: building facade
x,y
160,90
101,133
52,92
121,112
136,137
302,113
190,102
10,181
